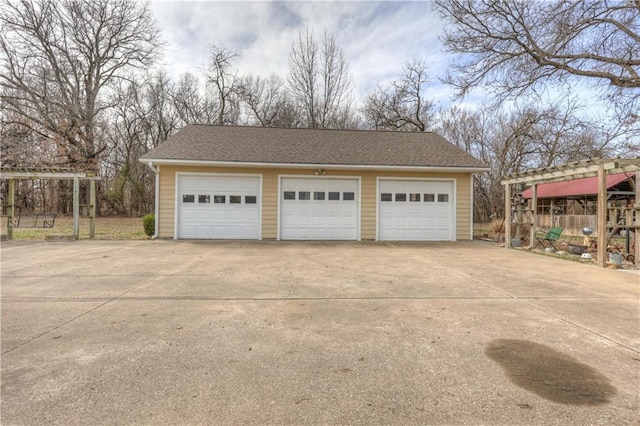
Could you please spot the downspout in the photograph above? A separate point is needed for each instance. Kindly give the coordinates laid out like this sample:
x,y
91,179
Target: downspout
x,y
156,171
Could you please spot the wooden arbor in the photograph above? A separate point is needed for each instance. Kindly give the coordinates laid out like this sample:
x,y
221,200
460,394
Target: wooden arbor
x,y
11,175
576,170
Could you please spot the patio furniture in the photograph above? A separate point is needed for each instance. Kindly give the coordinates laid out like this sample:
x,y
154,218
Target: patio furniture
x,y
550,238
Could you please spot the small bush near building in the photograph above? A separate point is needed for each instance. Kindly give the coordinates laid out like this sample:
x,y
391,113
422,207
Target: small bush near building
x,y
149,223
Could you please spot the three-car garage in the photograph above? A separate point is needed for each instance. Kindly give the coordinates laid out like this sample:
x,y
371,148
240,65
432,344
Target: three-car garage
x,y
227,206
268,183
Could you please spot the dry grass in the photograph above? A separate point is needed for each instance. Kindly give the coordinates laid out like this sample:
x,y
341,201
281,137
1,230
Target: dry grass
x,y
495,230
107,228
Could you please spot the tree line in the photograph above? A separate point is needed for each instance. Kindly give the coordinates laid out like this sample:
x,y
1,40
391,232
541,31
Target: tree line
x,y
76,91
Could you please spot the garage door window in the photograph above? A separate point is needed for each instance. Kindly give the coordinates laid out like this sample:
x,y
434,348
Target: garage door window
x,y
219,199
386,197
401,197
190,198
429,198
333,196
443,198
414,197
318,195
289,195
204,199
250,199
304,195
235,199
348,196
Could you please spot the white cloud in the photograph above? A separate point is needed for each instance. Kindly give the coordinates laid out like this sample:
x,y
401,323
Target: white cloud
x,y
376,37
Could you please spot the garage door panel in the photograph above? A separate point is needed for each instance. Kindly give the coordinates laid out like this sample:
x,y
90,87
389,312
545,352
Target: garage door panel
x,y
203,214
328,208
415,210
348,221
250,216
189,214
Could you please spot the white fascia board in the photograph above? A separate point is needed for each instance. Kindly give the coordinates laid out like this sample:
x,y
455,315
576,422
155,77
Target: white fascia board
x,y
315,166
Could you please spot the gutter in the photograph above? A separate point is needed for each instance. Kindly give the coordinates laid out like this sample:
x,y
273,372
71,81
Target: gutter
x,y
450,169
156,171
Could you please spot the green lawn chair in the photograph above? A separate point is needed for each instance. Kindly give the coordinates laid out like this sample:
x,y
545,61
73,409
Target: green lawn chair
x,y
550,238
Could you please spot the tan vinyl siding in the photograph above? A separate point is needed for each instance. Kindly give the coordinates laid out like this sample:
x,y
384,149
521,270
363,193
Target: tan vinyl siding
x,y
167,203
368,207
368,181
463,207
269,205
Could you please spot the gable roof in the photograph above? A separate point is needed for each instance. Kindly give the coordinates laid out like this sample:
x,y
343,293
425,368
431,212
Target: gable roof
x,y
236,145
575,187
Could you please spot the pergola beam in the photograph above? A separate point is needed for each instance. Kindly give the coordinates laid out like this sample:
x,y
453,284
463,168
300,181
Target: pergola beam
x,y
48,175
576,170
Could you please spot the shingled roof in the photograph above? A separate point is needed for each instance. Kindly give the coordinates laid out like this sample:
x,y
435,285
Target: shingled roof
x,y
314,147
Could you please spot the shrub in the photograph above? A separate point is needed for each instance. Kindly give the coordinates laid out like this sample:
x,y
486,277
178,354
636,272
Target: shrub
x,y
149,223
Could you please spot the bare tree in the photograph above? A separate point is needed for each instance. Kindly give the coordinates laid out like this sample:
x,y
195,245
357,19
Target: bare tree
x,y
143,116
191,105
58,56
320,82
224,84
526,136
402,105
268,102
517,46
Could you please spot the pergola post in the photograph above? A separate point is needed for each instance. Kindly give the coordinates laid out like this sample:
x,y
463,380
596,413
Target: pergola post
x,y
534,213
637,218
602,216
507,215
92,208
76,207
11,208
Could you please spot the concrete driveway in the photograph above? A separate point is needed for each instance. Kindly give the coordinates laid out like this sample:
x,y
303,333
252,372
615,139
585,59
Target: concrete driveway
x,y
179,332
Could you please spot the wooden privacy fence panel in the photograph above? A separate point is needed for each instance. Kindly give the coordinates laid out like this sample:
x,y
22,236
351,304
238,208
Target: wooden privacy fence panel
x,y
571,223
619,217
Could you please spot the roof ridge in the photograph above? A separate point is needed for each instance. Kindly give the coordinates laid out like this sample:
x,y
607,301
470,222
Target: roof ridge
x,y
324,129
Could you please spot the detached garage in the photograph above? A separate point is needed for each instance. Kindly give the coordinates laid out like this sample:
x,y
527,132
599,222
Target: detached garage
x,y
253,183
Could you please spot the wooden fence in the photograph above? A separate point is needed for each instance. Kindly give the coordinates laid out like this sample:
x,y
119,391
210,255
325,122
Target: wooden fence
x,y
617,217
572,223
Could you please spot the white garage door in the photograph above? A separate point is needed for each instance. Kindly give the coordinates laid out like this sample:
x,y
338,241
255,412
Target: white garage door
x,y
319,209
419,210
219,207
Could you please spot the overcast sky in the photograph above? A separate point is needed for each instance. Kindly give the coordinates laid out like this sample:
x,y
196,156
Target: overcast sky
x,y
377,37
